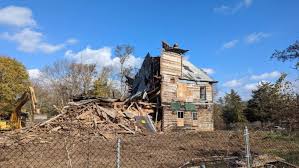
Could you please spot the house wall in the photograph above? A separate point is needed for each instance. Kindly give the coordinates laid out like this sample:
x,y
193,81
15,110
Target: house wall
x,y
204,120
173,88
189,91
170,70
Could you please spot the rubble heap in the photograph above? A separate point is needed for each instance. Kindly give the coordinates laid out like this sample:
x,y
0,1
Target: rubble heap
x,y
91,116
105,117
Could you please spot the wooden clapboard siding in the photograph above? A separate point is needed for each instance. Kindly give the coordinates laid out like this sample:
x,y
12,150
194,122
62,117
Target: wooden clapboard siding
x,y
170,64
170,70
174,89
204,119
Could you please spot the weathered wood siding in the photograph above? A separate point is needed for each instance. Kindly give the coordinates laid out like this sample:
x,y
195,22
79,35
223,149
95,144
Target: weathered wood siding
x,y
204,120
190,92
171,64
175,89
170,70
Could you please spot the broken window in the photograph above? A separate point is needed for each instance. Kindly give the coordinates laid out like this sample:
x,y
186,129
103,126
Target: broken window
x,y
203,95
180,114
194,115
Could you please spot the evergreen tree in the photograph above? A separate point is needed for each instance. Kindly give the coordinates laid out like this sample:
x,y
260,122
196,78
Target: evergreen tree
x,y
274,103
262,104
233,108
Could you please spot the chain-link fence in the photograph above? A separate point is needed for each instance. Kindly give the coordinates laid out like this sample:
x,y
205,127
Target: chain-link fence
x,y
169,149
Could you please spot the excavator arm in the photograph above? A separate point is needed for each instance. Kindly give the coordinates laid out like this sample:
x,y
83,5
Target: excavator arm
x,y
15,118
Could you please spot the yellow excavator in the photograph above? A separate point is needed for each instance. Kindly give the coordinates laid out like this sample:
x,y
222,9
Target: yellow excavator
x,y
16,116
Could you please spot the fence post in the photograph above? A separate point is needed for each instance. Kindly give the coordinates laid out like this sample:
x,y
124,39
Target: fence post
x,y
118,153
247,148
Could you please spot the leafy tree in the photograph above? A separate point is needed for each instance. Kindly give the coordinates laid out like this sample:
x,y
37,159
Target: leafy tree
x,y
291,53
233,108
14,80
102,86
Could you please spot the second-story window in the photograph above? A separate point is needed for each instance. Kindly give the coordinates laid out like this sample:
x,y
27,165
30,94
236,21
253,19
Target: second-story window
x,y
203,93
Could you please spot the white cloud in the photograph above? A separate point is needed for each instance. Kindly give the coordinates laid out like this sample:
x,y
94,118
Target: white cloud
x,y
247,3
250,86
233,83
31,41
253,86
27,39
247,83
34,73
223,9
101,57
50,48
230,44
16,16
232,9
72,41
267,75
208,70
256,37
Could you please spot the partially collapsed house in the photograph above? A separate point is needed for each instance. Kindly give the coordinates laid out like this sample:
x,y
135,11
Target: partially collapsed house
x,y
181,92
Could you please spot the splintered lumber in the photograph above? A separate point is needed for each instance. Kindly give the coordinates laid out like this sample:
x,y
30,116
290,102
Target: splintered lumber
x,y
55,129
52,119
83,115
126,128
89,117
98,116
110,112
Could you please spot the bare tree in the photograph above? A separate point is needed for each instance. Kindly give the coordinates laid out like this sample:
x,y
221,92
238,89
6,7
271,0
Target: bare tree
x,y
54,78
123,52
80,78
291,53
66,78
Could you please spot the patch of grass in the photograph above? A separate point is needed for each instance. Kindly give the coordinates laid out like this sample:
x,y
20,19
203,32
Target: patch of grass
x,y
282,136
290,157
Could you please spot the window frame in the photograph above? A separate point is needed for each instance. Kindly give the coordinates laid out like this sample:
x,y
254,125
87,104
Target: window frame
x,y
204,95
192,113
180,116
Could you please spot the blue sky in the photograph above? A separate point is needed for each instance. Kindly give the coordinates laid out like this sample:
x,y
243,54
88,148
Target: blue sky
x,y
233,39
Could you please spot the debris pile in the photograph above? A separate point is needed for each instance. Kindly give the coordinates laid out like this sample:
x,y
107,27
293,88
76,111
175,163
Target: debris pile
x,y
105,117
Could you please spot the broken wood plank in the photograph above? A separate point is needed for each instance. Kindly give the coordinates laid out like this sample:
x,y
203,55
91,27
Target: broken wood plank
x,y
52,119
126,128
55,129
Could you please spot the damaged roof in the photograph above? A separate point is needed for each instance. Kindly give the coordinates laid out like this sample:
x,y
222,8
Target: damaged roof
x,y
191,72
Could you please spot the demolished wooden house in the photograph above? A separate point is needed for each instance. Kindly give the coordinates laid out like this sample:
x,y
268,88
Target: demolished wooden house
x,y
181,92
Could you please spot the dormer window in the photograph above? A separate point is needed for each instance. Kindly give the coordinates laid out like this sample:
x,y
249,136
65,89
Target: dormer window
x,y
203,93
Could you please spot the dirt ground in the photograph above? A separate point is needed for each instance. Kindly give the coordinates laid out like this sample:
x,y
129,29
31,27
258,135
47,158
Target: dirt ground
x,y
172,149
